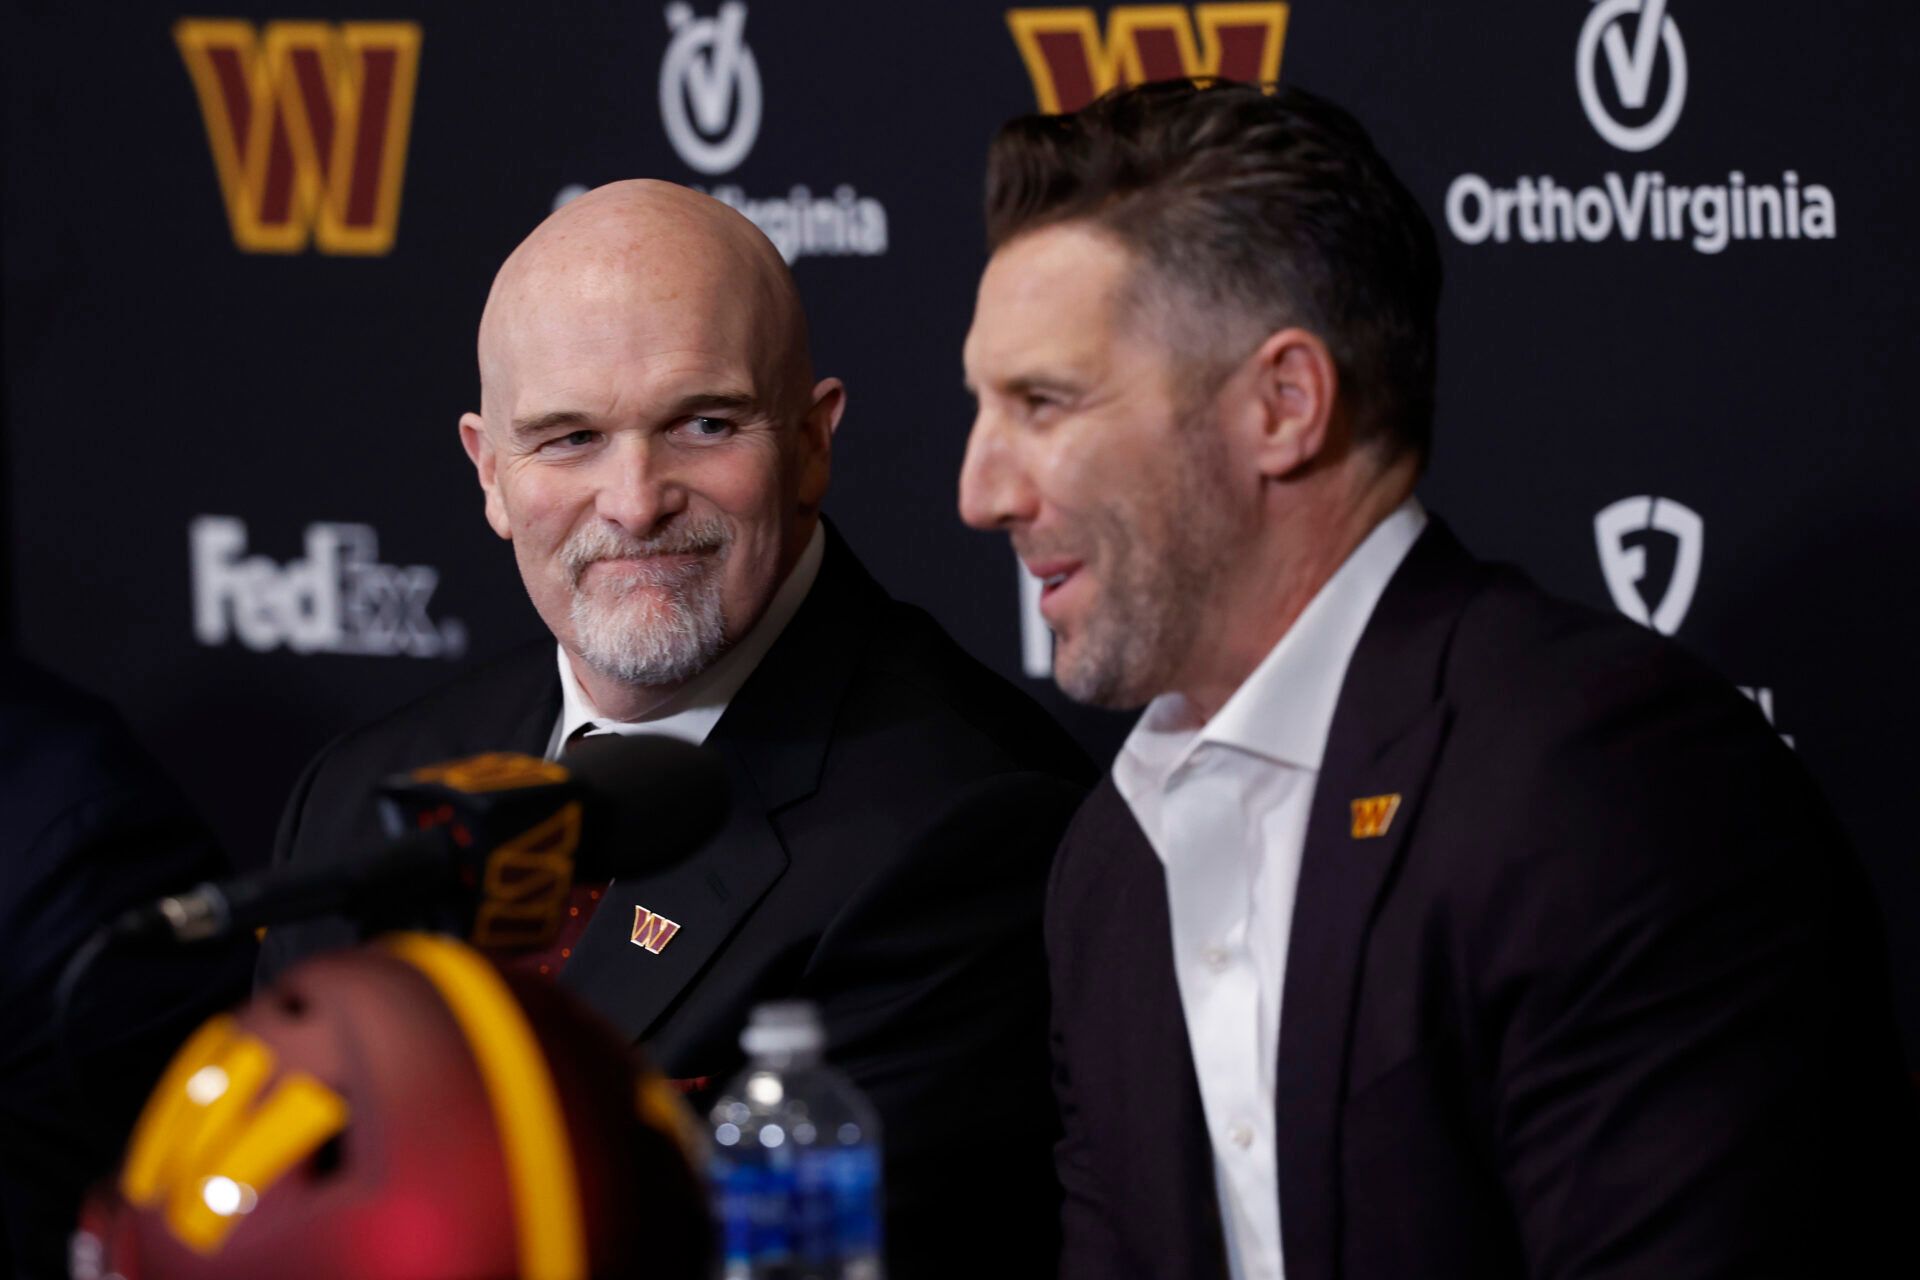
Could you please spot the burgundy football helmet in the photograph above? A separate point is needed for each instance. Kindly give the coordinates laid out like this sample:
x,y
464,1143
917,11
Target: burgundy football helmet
x,y
403,1110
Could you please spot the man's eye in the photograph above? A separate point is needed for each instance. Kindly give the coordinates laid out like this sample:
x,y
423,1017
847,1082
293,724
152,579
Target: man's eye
x,y
706,428
572,440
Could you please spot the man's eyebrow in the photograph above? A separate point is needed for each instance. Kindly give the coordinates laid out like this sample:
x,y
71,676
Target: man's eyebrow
x,y
1028,383
699,402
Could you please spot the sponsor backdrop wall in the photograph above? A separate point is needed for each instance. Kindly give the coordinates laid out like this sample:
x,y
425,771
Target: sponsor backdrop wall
x,y
246,248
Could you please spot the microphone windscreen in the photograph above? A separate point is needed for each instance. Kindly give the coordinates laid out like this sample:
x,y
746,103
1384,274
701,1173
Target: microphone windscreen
x,y
654,800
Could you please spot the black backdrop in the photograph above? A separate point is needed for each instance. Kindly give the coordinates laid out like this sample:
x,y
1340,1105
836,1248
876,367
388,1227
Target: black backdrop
x,y
239,510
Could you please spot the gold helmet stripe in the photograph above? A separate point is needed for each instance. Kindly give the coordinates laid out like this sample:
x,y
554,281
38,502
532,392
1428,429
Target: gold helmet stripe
x,y
550,1228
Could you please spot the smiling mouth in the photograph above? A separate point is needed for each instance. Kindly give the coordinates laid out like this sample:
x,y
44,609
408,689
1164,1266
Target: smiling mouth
x,y
1053,574
657,568
657,557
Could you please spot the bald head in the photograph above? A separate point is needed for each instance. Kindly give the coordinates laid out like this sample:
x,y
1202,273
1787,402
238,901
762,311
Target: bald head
x,y
653,255
650,437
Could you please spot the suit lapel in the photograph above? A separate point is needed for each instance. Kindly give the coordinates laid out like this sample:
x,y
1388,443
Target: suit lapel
x,y
1388,727
774,738
1172,1209
707,896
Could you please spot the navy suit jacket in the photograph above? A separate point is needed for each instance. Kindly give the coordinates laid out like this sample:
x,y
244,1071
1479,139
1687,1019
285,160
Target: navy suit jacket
x,y
88,827
896,807
1607,997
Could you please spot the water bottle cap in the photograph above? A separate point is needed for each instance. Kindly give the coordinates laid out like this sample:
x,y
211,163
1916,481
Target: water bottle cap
x,y
786,1026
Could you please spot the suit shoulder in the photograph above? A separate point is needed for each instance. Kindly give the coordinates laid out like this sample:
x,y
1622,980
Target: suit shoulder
x,y
1543,666
63,750
1572,729
523,675
915,670
450,721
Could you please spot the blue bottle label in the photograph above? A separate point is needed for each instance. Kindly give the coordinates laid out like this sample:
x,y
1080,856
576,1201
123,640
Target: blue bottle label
x,y
838,1203
753,1198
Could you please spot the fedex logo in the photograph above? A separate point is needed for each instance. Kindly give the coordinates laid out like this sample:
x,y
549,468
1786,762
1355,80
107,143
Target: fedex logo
x,y
338,598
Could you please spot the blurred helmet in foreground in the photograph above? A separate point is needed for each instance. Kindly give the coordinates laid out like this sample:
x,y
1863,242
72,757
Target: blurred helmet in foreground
x,y
403,1111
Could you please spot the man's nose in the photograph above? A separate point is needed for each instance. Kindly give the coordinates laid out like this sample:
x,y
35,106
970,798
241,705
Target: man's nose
x,y
994,489
638,489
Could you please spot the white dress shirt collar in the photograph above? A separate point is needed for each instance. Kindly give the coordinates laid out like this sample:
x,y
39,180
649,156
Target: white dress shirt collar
x,y
693,711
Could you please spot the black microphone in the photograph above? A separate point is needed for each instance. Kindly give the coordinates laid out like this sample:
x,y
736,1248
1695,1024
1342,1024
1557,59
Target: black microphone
x,y
486,846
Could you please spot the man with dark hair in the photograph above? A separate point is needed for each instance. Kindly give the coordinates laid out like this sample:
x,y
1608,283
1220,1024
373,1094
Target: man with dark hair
x,y
1425,925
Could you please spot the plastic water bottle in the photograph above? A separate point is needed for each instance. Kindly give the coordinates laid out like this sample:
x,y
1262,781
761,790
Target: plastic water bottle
x,y
796,1159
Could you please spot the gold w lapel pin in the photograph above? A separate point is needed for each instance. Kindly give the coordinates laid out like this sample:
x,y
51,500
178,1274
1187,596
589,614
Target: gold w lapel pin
x,y
652,931
1372,815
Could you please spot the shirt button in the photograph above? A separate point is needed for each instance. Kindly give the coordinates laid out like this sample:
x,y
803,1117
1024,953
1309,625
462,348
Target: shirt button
x,y
1215,958
1240,1134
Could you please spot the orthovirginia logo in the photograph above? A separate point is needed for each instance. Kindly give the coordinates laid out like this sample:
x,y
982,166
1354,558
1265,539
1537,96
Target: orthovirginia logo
x,y
308,124
1624,45
1632,67
1625,566
707,77
1071,63
338,599
710,107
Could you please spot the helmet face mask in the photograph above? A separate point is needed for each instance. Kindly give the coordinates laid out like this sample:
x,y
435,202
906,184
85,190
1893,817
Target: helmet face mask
x,y
402,1110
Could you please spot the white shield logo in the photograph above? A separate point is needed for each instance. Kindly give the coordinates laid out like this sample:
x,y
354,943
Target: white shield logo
x,y
1632,70
1625,567
708,69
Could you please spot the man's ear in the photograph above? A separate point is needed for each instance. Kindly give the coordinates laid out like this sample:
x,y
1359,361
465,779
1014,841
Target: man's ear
x,y
1294,386
823,418
479,446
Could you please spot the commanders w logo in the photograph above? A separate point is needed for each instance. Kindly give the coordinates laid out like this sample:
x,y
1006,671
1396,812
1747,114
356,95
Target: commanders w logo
x,y
1372,815
652,931
1071,64
214,1135
308,124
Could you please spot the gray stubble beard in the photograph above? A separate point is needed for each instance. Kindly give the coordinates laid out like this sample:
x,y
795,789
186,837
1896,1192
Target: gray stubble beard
x,y
654,625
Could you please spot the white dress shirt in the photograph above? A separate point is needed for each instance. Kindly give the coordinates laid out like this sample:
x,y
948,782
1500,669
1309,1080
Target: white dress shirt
x,y
693,711
1225,806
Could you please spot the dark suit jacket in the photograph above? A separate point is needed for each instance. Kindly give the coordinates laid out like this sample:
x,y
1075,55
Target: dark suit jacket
x,y
1607,998
88,827
895,810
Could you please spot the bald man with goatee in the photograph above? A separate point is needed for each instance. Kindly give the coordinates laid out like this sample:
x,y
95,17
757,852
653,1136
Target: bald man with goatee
x,y
652,441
